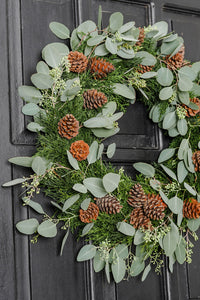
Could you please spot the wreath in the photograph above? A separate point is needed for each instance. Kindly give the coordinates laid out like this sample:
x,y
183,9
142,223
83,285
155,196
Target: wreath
x,y
79,96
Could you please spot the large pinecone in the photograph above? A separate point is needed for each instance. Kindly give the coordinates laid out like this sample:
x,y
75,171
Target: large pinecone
x,y
68,126
139,220
176,61
154,207
79,150
89,215
137,196
196,160
78,61
108,204
94,99
99,67
143,69
192,112
141,37
191,209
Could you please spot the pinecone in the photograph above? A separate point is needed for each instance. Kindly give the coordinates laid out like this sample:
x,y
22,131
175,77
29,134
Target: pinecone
x,y
137,196
108,204
78,61
79,150
99,67
191,209
139,220
176,61
154,207
191,112
141,37
89,215
68,126
143,69
94,99
196,160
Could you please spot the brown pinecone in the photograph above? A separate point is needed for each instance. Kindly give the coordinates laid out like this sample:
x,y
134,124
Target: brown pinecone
x,y
99,67
196,160
176,61
68,126
143,69
139,220
191,209
79,150
137,196
108,204
191,112
78,61
154,207
89,215
94,99
141,37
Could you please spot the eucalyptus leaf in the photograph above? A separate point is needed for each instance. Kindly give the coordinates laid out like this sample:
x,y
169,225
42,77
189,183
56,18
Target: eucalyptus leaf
x,y
95,186
29,94
122,251
147,58
42,68
170,240
179,218
39,165
161,27
109,108
155,184
30,109
111,182
166,93
47,229
175,204
98,262
184,97
24,161
70,201
188,72
165,76
146,272
118,268
34,205
87,28
145,169
183,148
34,127
182,172
182,126
27,226
125,228
137,266
111,150
64,241
126,53
190,189
111,45
56,205
126,27
172,132
42,81
115,21
73,162
139,237
93,41
13,182
164,197
100,151
79,188
53,53
60,30
180,251
98,122
169,172
92,156
87,228
105,133
148,75
166,154
74,40
101,50
185,83
123,90
193,224
86,252
107,271
85,203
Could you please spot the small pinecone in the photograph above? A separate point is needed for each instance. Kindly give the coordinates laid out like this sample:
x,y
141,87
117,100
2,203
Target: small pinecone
x,y
176,61
139,220
154,207
137,196
99,67
196,160
89,215
94,99
78,61
143,69
68,126
141,37
108,204
79,150
191,209
191,112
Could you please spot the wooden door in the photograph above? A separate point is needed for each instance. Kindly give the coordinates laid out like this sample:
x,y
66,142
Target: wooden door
x,y
35,271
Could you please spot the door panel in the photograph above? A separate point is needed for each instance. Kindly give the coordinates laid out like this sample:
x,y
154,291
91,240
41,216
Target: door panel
x,y
36,271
